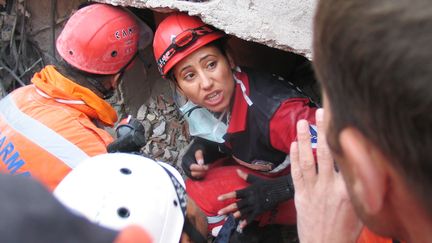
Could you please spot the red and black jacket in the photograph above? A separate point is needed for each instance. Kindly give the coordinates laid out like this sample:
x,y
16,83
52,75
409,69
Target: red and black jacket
x,y
263,119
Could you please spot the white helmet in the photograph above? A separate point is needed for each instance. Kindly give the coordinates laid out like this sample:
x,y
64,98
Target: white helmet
x,y
116,190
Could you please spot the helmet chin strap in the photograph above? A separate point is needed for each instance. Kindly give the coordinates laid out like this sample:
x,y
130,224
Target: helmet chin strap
x,y
192,232
106,93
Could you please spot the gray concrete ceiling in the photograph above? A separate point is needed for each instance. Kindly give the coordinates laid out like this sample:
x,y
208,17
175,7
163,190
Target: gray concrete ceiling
x,y
282,24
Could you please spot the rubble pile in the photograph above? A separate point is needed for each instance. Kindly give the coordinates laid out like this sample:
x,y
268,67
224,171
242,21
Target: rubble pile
x,y
166,131
20,56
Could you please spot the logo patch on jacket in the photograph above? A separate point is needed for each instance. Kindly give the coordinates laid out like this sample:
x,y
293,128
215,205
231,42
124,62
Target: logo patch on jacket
x,y
314,135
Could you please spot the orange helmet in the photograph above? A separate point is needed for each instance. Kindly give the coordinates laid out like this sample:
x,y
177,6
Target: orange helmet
x,y
177,36
99,39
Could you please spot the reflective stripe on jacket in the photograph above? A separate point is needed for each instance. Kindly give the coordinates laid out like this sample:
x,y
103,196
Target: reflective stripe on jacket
x,y
44,138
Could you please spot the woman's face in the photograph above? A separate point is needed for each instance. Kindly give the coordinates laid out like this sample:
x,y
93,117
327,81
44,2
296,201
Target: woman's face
x,y
205,77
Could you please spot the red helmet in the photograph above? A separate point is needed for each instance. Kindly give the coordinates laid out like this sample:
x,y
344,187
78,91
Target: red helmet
x,y
177,36
100,39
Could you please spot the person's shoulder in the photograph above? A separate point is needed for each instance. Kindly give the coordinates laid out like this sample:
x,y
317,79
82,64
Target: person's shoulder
x,y
256,74
260,78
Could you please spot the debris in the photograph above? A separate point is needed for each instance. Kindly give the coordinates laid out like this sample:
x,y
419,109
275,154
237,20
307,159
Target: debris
x,y
156,152
174,154
169,109
142,112
161,103
148,148
172,137
166,132
167,154
151,117
147,128
159,130
182,138
152,104
164,137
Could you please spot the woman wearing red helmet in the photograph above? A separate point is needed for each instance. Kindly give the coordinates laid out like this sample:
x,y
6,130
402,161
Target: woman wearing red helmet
x,y
241,118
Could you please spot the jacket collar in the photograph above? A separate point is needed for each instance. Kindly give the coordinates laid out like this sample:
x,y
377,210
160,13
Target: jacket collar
x,y
63,90
237,122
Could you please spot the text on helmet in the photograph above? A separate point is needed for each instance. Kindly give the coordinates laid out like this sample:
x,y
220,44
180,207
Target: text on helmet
x,y
125,33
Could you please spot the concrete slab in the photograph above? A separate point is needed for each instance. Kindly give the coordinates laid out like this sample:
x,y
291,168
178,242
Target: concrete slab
x,y
282,24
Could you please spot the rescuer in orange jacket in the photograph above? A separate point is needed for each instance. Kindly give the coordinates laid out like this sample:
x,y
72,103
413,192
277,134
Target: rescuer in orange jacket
x,y
50,126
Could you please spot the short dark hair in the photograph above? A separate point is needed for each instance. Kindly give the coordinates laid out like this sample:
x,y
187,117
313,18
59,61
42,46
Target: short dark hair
x,y
374,60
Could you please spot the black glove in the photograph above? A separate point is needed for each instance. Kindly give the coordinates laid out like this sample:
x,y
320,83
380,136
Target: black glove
x,y
210,152
130,136
263,195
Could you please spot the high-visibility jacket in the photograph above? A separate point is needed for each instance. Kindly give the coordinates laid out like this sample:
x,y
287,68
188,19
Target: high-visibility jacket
x,y
47,128
367,236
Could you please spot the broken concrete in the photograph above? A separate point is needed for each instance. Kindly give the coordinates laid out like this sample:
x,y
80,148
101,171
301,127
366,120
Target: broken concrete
x,y
282,24
166,131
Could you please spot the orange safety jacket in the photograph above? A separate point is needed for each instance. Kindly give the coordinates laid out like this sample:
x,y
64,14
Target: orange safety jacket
x,y
367,236
46,128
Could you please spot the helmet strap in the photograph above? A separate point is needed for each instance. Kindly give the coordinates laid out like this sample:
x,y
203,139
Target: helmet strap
x,y
192,232
123,69
106,93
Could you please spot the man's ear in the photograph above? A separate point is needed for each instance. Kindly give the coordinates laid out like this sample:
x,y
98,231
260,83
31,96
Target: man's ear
x,y
366,164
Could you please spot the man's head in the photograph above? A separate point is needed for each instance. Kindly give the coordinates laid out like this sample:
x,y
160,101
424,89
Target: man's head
x,y
374,60
99,41
117,190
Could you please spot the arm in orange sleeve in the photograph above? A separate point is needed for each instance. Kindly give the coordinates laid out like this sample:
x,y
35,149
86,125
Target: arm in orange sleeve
x,y
367,236
133,234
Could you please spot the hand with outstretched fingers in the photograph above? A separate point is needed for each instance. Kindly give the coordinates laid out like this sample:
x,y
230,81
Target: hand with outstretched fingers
x,y
324,209
260,196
